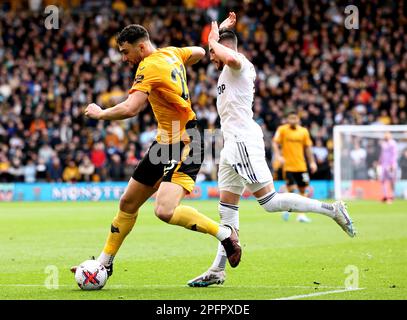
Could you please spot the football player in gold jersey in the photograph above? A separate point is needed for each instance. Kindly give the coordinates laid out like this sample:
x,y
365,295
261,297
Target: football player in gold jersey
x,y
171,164
294,141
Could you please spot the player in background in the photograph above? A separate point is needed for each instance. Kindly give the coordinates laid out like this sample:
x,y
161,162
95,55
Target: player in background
x,y
294,141
388,167
242,160
161,79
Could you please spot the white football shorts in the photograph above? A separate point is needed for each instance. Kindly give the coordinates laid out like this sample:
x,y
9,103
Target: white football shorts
x,y
243,165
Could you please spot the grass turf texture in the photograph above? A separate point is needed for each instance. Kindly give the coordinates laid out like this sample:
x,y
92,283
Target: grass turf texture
x,y
280,259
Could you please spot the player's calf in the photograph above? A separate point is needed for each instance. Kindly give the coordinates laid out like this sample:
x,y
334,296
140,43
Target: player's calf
x,y
277,202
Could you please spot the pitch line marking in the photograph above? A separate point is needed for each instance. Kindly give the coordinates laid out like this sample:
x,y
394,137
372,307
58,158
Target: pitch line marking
x,y
317,294
118,286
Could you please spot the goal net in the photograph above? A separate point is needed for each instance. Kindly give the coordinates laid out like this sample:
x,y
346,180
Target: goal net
x,y
361,160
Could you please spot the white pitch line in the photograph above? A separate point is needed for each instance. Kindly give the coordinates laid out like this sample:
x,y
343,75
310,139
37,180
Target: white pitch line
x,y
118,286
317,294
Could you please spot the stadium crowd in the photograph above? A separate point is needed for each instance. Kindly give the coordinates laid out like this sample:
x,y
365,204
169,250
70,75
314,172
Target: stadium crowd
x,y
305,57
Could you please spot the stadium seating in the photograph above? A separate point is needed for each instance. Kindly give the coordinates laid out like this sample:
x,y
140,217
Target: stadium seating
x,y
305,58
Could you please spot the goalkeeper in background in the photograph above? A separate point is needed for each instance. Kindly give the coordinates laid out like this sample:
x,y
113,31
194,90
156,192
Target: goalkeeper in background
x,y
388,167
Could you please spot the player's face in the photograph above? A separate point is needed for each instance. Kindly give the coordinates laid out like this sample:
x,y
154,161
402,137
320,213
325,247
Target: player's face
x,y
130,53
387,136
214,59
293,120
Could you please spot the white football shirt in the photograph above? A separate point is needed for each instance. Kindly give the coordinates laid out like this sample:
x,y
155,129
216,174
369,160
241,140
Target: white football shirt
x,y
235,101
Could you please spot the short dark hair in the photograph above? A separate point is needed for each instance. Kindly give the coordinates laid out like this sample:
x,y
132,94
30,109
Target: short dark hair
x,y
291,112
227,35
132,33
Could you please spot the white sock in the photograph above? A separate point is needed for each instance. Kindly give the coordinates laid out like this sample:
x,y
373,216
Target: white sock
x,y
105,259
223,233
229,214
274,202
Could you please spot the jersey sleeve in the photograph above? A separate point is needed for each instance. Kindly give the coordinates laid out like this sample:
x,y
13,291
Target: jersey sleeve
x,y
183,53
307,139
278,137
147,77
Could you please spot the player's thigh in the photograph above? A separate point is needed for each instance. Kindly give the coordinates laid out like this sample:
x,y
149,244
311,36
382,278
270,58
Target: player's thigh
x,y
302,179
230,183
135,195
185,163
150,169
290,182
178,180
264,183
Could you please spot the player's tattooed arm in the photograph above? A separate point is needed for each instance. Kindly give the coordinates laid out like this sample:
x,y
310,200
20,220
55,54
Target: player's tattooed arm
x,y
197,54
129,108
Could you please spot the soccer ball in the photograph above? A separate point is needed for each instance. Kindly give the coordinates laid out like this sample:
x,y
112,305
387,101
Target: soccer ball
x,y
91,275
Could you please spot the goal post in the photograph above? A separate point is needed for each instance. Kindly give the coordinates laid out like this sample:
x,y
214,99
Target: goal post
x,y
356,160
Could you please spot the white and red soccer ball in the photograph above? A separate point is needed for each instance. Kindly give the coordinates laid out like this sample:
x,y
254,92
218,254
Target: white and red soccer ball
x,y
91,275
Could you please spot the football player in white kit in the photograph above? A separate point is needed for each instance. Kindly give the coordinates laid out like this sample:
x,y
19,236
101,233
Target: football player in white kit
x,y
242,160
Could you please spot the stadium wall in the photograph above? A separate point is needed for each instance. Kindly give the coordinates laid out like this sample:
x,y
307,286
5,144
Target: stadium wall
x,y
105,191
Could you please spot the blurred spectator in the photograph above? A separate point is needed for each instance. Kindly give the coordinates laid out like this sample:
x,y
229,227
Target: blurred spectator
x,y
131,161
99,159
4,169
37,125
46,153
30,171
71,172
403,164
41,171
321,157
55,170
116,170
147,137
16,170
86,169
358,156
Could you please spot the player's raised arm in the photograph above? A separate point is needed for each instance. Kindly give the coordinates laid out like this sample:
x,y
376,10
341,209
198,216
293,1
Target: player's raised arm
x,y
126,109
226,53
229,22
197,54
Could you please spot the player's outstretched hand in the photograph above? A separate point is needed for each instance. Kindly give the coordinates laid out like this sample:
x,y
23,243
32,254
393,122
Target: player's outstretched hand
x,y
93,111
214,34
229,22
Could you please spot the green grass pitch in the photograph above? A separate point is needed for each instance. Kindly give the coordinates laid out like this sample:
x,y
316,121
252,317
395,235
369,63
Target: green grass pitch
x,y
280,259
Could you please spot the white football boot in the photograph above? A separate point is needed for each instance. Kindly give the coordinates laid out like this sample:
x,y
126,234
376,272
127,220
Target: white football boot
x,y
208,278
343,219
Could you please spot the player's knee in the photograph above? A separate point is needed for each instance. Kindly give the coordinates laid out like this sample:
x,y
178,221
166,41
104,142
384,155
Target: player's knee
x,y
127,204
163,212
273,204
